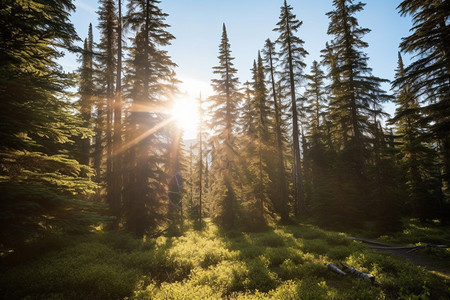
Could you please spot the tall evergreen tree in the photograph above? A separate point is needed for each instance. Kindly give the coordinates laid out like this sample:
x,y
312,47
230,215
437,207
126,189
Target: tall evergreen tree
x,y
317,154
106,68
254,149
107,76
292,55
387,187
281,203
315,95
428,75
44,189
417,157
175,169
116,183
148,139
223,105
337,132
86,90
201,164
356,94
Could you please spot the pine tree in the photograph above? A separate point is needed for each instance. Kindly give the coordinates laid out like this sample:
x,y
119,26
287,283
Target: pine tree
x,y
44,189
107,65
417,157
387,188
223,106
428,75
175,162
87,91
176,169
356,94
317,153
105,79
315,94
254,148
281,203
201,164
116,182
292,55
148,138
337,128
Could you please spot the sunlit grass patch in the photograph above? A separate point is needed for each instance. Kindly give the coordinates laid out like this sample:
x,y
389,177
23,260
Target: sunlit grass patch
x,y
197,250
184,290
276,256
306,232
269,239
339,239
315,288
251,251
260,276
225,277
285,262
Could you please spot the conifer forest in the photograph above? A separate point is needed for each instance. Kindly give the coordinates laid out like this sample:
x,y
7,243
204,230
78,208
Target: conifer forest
x,y
96,180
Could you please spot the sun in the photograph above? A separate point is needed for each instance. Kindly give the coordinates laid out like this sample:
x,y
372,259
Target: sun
x,y
185,112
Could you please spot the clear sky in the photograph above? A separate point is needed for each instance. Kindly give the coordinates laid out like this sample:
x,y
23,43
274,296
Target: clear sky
x,y
197,26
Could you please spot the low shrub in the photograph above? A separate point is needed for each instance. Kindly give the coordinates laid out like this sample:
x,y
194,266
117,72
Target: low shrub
x,y
207,264
178,290
251,251
338,253
260,277
315,289
225,277
289,270
269,239
89,270
306,232
337,239
317,246
276,256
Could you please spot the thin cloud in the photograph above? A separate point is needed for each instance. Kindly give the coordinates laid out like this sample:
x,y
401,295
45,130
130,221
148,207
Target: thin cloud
x,y
85,6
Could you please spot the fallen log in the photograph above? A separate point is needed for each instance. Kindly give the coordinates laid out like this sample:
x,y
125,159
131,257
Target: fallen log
x,y
358,273
335,269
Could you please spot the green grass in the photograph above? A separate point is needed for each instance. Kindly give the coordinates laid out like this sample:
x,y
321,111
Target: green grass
x,y
285,262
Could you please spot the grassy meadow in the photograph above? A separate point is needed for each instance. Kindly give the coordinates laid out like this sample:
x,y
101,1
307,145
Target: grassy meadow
x,y
285,262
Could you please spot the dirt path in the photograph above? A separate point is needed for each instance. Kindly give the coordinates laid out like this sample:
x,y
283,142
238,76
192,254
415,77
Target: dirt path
x,y
419,257
423,260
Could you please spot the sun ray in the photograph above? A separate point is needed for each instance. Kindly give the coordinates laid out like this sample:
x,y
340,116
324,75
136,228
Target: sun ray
x,y
146,134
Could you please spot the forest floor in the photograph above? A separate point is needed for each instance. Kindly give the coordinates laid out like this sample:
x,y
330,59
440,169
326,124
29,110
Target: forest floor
x,y
423,257
415,233
283,262
424,260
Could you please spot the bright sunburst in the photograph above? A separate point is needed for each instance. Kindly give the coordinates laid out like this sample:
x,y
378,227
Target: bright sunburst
x,y
186,113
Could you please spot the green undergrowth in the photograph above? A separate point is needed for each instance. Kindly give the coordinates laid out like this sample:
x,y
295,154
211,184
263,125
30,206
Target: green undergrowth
x,y
415,232
285,262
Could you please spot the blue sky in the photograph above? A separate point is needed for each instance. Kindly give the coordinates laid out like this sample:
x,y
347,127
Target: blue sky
x,y
197,26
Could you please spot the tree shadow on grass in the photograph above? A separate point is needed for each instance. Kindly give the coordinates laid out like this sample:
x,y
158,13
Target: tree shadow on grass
x,y
252,250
